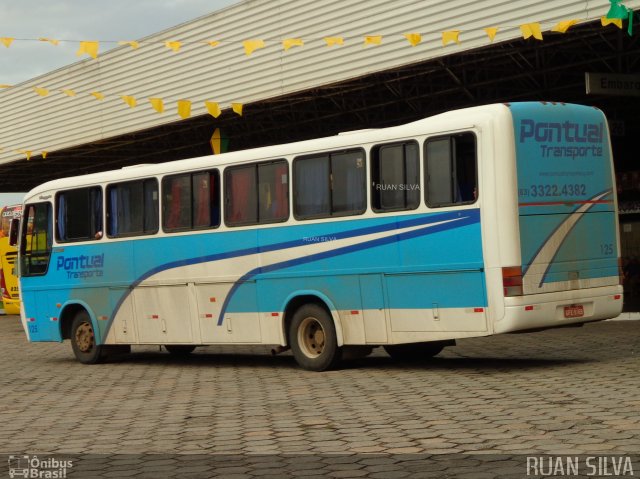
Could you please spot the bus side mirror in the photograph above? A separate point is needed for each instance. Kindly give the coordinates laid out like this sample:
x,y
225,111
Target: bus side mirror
x,y
13,232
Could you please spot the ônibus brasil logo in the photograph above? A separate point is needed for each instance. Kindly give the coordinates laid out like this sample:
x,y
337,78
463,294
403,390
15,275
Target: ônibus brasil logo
x,y
22,465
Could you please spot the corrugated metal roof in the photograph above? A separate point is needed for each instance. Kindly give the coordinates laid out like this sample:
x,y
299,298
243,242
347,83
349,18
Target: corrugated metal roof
x,y
225,74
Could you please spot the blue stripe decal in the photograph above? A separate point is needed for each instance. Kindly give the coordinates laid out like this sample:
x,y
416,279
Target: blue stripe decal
x,y
456,219
463,221
526,267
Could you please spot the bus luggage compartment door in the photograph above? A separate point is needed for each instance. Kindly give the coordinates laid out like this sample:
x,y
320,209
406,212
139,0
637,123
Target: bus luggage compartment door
x,y
163,314
438,301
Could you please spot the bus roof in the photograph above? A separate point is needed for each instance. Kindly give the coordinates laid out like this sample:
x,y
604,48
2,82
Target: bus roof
x,y
444,122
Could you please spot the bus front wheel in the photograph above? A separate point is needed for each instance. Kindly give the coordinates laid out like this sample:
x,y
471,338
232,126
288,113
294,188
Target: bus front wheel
x,y
83,340
313,339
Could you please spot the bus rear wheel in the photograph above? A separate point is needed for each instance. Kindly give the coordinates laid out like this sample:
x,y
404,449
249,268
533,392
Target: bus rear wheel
x,y
416,351
313,339
83,340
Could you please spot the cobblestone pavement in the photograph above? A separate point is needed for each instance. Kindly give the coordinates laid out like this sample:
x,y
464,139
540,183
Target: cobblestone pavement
x,y
566,391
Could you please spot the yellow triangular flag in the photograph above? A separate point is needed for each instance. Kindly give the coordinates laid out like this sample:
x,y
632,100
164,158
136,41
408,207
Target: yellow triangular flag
x,y
27,153
413,38
609,21
69,92
491,32
563,26
6,41
251,46
184,108
531,30
292,42
129,100
450,36
213,108
132,44
98,95
175,46
41,91
4,85
237,108
216,141
373,39
213,43
331,41
50,40
88,48
157,104
44,154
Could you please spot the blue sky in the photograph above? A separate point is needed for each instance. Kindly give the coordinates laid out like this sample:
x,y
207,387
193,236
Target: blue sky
x,y
82,20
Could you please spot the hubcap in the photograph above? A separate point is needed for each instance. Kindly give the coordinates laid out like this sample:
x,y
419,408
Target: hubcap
x,y
85,338
311,337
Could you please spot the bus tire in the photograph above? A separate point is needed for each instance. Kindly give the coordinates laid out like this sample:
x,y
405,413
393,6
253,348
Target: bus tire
x,y
179,349
313,339
83,340
416,351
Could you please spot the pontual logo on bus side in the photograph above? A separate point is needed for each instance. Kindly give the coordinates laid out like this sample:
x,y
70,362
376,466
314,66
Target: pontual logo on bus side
x,y
561,132
89,266
80,262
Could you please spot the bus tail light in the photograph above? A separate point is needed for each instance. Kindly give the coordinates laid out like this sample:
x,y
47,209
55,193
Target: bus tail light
x,y
512,280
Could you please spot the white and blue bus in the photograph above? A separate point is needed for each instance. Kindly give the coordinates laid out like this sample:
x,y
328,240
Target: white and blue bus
x,y
487,220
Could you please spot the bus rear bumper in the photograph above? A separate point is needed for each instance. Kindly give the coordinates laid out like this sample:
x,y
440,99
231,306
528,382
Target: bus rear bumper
x,y
550,310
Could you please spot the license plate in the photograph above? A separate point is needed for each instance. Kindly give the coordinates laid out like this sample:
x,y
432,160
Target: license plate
x,y
574,311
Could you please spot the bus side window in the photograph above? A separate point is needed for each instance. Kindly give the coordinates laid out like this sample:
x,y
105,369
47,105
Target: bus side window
x,y
79,215
395,177
191,201
451,170
331,184
132,208
257,193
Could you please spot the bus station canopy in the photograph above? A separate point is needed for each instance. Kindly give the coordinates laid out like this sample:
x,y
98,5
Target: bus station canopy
x,y
305,69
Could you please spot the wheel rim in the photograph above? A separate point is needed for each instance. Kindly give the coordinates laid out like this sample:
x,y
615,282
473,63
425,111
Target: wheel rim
x,y
85,338
311,337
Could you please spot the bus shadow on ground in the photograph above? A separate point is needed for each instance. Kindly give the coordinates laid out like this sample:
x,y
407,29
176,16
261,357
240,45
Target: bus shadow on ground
x,y
217,359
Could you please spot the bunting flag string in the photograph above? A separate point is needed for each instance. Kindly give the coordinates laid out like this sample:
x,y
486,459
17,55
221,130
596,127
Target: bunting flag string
x,y
183,109
616,15
183,105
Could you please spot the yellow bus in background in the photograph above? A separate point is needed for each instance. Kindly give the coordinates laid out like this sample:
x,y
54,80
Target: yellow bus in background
x,y
8,255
